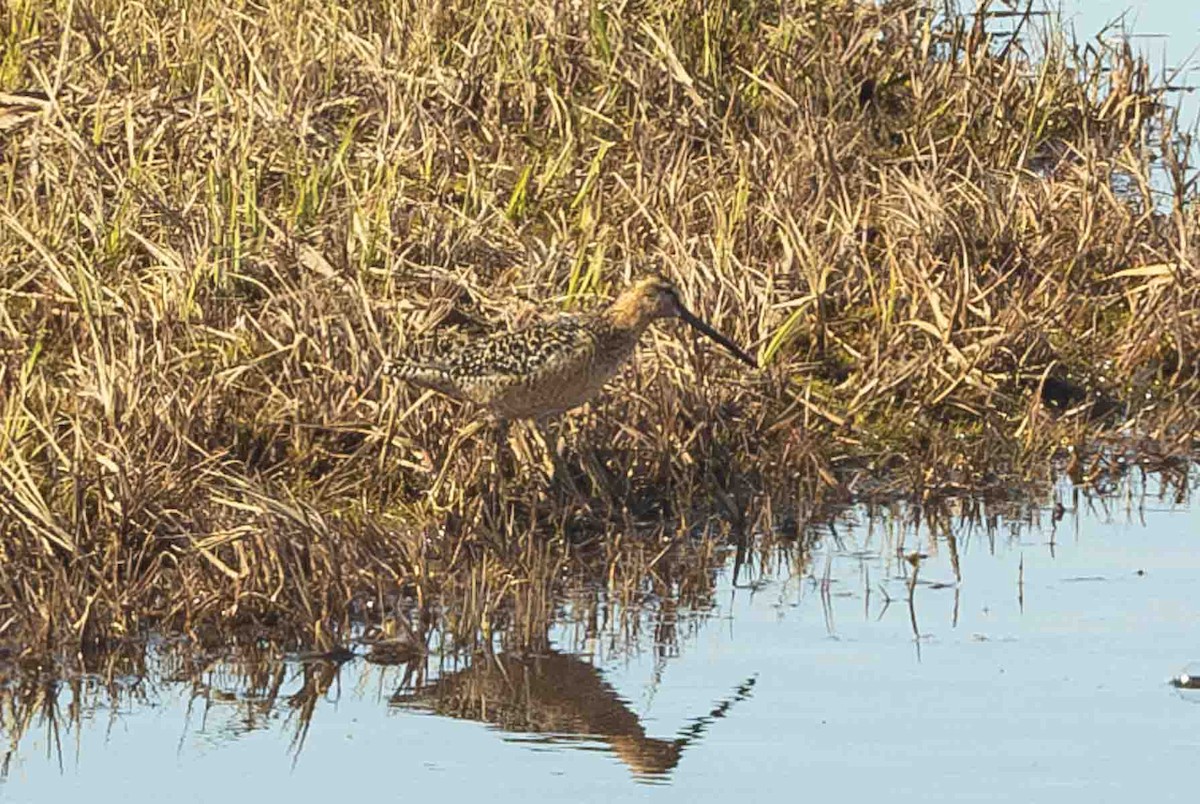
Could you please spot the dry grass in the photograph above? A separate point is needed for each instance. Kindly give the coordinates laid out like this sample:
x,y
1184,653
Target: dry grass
x,y
217,222
543,664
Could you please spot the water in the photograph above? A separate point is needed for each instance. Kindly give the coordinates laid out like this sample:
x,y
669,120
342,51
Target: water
x,y
1037,670
1165,32
1032,665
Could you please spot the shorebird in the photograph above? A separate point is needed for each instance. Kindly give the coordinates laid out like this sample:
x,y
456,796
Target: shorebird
x,y
554,365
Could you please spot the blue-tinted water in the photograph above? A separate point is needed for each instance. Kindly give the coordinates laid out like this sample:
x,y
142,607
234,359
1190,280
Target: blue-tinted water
x,y
1032,665
1038,671
1165,32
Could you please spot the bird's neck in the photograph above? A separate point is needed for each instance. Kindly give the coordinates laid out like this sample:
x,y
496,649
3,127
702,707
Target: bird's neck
x,y
629,313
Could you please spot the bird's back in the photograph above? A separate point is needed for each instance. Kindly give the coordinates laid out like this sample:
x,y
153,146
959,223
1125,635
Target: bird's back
x,y
541,369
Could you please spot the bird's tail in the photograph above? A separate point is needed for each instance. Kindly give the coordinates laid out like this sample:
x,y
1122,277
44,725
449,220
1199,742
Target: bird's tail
x,y
423,375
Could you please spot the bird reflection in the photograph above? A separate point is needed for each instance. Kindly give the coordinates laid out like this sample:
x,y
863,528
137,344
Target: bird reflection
x,y
562,697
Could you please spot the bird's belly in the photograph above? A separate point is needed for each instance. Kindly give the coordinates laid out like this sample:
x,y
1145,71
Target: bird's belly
x,y
550,395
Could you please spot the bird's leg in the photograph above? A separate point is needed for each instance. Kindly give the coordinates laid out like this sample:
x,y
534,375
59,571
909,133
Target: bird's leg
x,y
501,432
558,469
602,479
462,435
499,464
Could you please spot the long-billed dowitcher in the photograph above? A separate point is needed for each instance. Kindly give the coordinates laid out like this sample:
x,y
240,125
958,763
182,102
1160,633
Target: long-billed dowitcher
x,y
554,365
551,366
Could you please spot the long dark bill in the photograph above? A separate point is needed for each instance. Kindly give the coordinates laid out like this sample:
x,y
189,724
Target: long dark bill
x,y
704,329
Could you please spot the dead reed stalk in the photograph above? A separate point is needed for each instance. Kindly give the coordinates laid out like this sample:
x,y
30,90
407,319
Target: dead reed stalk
x,y
952,257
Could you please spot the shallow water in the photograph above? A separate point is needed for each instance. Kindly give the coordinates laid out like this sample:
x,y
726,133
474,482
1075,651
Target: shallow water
x,y
1165,32
1032,665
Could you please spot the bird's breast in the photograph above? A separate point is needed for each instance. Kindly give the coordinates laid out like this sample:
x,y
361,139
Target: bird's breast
x,y
563,387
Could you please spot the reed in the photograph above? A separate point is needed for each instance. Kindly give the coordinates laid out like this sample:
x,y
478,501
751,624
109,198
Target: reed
x,y
962,265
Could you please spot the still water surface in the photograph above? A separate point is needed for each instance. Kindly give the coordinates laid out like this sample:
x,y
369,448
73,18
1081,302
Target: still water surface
x,y
1165,32
1032,665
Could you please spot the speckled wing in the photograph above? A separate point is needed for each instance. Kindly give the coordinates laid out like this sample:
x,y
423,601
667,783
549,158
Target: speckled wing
x,y
493,370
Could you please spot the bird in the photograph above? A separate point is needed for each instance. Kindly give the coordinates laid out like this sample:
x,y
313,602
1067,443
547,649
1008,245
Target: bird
x,y
554,365
551,366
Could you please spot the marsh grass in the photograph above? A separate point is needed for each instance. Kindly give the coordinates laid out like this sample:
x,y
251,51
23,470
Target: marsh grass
x,y
218,220
541,666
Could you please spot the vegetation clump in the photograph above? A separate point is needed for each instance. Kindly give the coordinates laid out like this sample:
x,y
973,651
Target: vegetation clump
x,y
218,220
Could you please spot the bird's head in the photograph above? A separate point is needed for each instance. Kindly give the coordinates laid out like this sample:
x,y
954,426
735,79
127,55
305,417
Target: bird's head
x,y
655,297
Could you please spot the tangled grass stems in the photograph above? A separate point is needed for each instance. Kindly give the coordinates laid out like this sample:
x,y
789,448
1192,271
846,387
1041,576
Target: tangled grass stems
x,y
537,665
217,222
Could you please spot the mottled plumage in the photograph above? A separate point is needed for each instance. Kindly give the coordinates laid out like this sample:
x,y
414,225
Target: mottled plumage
x,y
552,366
